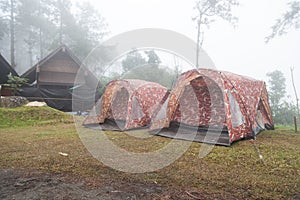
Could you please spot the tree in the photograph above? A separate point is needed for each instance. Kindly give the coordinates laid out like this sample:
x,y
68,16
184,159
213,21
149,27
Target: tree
x,y
276,87
9,9
135,66
91,28
283,111
35,26
79,26
12,33
64,21
3,28
15,83
153,73
133,60
42,25
90,19
207,12
290,19
286,114
153,58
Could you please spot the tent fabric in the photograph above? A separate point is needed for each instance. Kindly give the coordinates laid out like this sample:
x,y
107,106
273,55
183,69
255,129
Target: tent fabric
x,y
132,102
218,100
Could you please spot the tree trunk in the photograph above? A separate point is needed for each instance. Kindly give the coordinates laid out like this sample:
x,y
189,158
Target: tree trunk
x,y
30,54
41,36
41,44
61,22
297,100
198,43
12,35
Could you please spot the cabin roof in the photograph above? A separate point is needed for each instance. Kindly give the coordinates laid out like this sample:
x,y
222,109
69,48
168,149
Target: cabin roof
x,y
5,70
30,74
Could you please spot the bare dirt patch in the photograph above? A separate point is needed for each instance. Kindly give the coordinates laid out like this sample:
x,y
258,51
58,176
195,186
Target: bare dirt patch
x,y
18,184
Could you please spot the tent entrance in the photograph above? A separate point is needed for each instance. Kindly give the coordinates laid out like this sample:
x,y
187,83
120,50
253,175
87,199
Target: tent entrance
x,y
109,124
210,135
119,106
200,113
201,103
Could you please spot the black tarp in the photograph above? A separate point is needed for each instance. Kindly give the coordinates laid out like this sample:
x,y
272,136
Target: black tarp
x,y
79,99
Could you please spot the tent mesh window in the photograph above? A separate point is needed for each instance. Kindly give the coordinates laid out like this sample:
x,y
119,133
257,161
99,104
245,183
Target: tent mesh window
x,y
236,114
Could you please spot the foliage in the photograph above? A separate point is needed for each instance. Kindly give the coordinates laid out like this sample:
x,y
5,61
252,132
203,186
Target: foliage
x,y
152,73
282,110
276,87
89,18
133,60
146,67
286,114
209,10
36,27
153,58
104,81
3,28
290,19
15,83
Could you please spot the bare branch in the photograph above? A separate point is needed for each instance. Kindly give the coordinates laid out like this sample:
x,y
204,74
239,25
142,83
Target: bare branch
x,y
290,19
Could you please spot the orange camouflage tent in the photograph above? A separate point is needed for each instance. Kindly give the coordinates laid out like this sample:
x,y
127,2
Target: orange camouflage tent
x,y
214,107
127,104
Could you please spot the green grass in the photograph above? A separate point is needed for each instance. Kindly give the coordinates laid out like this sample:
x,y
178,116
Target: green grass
x,y
233,172
31,116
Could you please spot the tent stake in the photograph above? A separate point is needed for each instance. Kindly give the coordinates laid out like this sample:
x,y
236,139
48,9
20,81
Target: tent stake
x,y
258,152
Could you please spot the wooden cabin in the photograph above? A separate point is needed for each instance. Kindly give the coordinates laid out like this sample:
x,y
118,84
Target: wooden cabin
x,y
53,80
58,71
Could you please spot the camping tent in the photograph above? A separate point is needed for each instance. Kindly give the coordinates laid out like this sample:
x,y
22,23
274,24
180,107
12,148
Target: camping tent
x,y
127,104
220,107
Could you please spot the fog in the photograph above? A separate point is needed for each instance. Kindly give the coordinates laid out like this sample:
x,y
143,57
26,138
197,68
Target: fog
x,y
240,50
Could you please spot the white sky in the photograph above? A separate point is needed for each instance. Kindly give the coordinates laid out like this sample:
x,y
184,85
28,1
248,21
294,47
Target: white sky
x,y
241,50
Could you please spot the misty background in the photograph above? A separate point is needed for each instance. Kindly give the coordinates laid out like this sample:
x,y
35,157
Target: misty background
x,y
235,41
241,49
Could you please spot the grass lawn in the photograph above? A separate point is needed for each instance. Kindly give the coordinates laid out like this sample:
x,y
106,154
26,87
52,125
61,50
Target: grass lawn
x,y
31,138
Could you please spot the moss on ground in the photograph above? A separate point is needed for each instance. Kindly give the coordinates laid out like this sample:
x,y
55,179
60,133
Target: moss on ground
x,y
31,116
